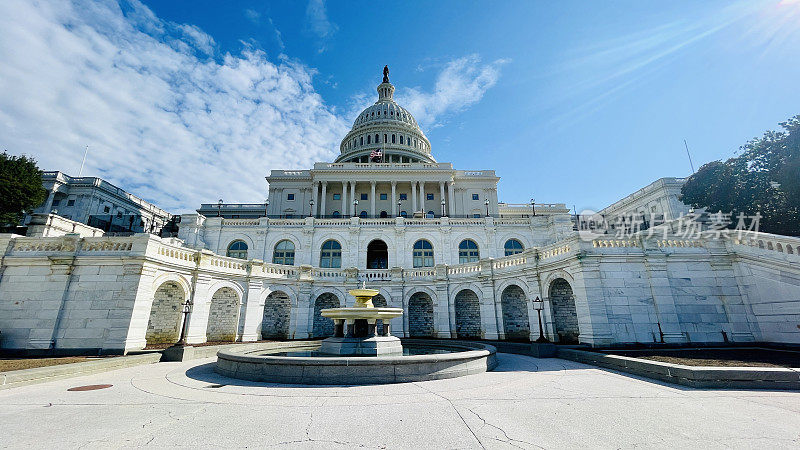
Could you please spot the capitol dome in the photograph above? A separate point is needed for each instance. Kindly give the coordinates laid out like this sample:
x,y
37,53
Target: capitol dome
x,y
388,128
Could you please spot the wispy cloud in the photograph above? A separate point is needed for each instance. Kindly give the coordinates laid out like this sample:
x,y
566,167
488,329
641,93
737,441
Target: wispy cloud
x,y
461,83
252,15
163,117
318,23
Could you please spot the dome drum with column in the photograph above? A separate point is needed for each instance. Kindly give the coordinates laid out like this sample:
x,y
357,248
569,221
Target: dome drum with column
x,y
386,127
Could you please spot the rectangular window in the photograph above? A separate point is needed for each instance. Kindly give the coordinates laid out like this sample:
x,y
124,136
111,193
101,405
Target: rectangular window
x,y
475,197
403,196
56,202
289,196
70,202
364,196
384,196
337,196
428,196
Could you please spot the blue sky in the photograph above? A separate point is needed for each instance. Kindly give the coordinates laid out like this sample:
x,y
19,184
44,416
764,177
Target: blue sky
x,y
580,102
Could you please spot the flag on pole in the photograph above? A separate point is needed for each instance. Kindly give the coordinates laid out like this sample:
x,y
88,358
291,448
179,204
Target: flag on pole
x,y
376,155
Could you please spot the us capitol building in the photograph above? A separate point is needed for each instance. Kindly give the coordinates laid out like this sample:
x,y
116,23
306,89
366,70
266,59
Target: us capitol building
x,y
432,239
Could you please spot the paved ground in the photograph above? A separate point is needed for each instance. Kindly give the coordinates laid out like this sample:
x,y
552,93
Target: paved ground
x,y
526,402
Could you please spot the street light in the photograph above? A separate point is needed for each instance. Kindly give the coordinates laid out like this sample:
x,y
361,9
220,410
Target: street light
x,y
311,210
355,206
219,208
533,207
398,207
442,207
538,305
187,308
486,202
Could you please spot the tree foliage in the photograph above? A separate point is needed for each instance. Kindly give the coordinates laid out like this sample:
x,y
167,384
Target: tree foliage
x,y
764,179
20,187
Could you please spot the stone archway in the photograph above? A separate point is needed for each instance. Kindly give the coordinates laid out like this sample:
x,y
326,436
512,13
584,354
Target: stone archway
x,y
565,316
515,314
223,315
468,315
420,315
163,326
277,311
323,326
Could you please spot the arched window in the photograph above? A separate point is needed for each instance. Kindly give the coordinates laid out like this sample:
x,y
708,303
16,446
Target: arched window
x,y
362,140
394,137
401,138
336,214
385,139
403,214
468,251
284,253
369,139
377,138
363,215
331,254
513,247
384,214
423,254
237,249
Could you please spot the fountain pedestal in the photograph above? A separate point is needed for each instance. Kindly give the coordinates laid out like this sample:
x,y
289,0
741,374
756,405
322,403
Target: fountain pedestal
x,y
356,331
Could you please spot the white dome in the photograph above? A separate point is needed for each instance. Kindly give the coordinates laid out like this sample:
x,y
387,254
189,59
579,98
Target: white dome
x,y
388,127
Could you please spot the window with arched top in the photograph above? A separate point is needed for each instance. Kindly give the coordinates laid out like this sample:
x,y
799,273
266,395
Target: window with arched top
x,y
283,253
423,253
369,139
331,254
394,136
363,214
377,138
237,249
513,246
401,138
468,251
336,214
403,214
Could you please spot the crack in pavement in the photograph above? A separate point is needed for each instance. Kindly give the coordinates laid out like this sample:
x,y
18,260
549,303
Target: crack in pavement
x,y
509,440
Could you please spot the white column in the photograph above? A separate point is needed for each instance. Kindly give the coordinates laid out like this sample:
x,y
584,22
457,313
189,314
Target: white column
x,y
353,198
451,199
315,198
441,195
344,198
372,199
394,199
413,197
422,197
324,197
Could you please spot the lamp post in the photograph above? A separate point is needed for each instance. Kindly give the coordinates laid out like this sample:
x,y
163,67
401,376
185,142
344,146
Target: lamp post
x,y
486,202
442,207
355,208
219,208
266,207
311,210
399,202
533,207
187,308
538,305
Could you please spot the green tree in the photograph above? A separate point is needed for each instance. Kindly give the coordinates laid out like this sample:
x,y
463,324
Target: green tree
x,y
763,179
20,187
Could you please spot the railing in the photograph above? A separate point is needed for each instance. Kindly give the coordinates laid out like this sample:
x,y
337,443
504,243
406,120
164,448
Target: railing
x,y
177,253
227,263
510,261
106,245
55,244
418,274
240,222
599,243
277,269
550,252
679,243
781,244
375,275
463,269
334,274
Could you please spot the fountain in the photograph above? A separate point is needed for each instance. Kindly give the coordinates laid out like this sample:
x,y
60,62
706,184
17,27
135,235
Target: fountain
x,y
355,329
359,352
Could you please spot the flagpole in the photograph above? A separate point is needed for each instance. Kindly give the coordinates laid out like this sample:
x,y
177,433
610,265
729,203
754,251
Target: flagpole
x,y
80,172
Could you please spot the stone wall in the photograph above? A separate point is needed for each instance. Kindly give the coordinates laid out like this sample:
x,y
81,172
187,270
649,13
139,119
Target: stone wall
x,y
323,326
163,327
516,323
565,316
420,315
223,316
277,313
468,315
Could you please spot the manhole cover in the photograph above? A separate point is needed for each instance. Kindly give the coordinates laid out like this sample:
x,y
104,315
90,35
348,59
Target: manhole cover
x,y
91,387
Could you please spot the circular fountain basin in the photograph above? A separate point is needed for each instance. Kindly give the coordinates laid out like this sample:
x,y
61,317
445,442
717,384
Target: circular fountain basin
x,y
270,362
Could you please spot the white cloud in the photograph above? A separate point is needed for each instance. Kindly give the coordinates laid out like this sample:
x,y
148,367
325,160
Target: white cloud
x,y
162,118
461,83
318,23
252,15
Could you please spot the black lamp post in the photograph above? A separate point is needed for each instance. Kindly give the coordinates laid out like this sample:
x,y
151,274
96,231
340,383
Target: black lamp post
x,y
486,202
538,305
443,208
311,210
219,208
533,207
355,207
399,202
187,308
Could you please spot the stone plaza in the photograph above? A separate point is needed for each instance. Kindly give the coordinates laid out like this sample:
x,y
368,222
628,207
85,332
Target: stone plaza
x,y
524,403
